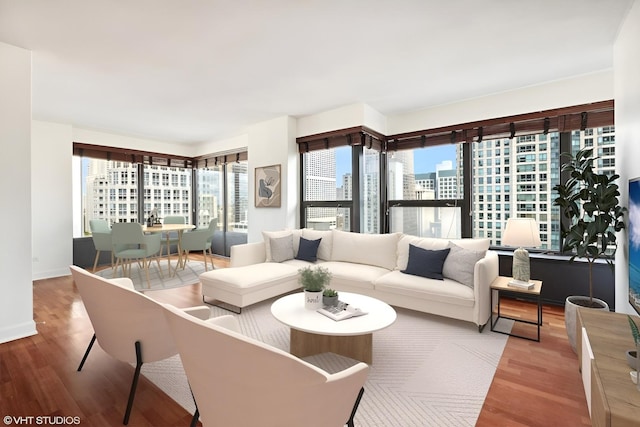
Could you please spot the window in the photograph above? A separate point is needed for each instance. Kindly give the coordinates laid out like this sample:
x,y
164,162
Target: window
x,y
109,188
329,181
424,187
107,192
370,221
237,205
529,188
167,197
456,197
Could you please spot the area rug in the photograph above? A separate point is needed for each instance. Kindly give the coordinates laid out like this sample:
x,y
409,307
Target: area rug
x,y
183,277
427,370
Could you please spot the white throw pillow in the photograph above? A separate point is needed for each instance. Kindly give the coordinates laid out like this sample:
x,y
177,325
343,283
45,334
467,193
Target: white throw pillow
x,y
478,244
371,249
267,235
281,248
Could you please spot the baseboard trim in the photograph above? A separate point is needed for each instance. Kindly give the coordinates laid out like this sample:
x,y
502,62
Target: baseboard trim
x,y
16,332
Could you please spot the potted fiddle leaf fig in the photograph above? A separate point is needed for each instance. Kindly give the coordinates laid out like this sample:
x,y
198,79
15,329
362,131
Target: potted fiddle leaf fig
x,y
313,280
590,203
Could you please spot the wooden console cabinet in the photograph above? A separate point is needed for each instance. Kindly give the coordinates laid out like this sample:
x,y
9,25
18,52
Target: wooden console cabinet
x,y
614,400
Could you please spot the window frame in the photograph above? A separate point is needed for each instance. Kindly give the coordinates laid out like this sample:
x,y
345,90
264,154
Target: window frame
x,y
562,120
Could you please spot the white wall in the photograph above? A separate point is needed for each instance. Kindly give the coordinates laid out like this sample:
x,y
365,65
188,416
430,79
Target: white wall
x,y
562,93
235,143
342,118
16,292
627,96
273,142
51,197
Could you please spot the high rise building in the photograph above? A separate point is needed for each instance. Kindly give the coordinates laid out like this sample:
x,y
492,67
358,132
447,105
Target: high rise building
x,y
515,178
111,191
320,184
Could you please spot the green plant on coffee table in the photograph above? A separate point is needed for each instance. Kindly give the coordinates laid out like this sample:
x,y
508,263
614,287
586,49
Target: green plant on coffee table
x,y
330,292
314,279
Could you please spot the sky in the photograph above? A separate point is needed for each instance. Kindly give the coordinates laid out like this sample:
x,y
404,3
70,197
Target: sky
x,y
424,160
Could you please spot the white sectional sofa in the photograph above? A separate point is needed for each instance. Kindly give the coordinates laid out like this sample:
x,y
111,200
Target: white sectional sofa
x,y
369,264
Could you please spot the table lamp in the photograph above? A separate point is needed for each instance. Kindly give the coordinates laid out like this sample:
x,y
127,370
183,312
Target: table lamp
x,y
521,232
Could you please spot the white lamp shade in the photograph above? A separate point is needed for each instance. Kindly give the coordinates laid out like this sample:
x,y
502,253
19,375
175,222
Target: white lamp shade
x,y
521,232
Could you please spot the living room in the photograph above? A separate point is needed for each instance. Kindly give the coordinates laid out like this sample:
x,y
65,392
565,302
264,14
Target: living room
x,y
40,152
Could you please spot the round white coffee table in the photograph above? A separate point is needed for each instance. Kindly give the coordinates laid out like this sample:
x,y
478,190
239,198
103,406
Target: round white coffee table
x,y
313,333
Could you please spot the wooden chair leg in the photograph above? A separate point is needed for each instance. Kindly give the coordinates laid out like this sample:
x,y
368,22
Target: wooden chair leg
x,y
160,269
213,267
115,268
185,259
95,263
145,264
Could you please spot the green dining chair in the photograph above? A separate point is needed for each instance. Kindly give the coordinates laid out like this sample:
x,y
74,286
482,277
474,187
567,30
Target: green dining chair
x,y
199,240
101,236
130,243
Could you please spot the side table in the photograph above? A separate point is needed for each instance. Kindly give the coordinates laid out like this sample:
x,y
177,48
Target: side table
x,y
501,287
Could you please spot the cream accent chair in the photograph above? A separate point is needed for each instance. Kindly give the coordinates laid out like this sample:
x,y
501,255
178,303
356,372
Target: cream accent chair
x,y
241,382
128,325
130,243
101,236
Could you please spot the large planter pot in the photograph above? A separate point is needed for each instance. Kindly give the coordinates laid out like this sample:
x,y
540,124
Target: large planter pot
x,y
632,361
571,305
312,300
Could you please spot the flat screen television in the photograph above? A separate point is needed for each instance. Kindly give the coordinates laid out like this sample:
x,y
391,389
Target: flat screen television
x,y
634,243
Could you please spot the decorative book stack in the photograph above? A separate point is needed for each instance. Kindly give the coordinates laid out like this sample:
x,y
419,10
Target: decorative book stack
x,y
521,284
341,311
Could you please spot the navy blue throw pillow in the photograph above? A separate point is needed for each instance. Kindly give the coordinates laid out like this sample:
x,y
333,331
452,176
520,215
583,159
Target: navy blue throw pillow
x,y
308,250
426,263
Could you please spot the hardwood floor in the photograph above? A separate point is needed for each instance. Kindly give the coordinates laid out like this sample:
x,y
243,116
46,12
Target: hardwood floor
x,y
536,384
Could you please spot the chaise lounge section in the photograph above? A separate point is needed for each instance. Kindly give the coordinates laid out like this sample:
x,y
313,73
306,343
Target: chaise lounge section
x,y
445,277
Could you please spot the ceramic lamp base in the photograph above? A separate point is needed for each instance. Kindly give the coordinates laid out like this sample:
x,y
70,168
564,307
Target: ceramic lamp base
x,y
521,267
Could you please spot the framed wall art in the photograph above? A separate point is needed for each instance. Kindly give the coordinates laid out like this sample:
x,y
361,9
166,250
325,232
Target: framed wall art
x,y
268,187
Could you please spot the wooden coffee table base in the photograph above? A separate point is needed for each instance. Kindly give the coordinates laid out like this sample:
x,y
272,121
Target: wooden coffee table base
x,y
358,347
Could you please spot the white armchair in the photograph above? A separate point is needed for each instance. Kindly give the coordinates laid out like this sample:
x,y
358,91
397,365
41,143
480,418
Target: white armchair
x,y
127,324
238,381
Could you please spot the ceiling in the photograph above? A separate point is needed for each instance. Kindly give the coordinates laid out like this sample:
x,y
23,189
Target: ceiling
x,y
199,70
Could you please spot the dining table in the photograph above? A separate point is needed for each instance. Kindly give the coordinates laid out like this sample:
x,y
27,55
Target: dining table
x,y
168,228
